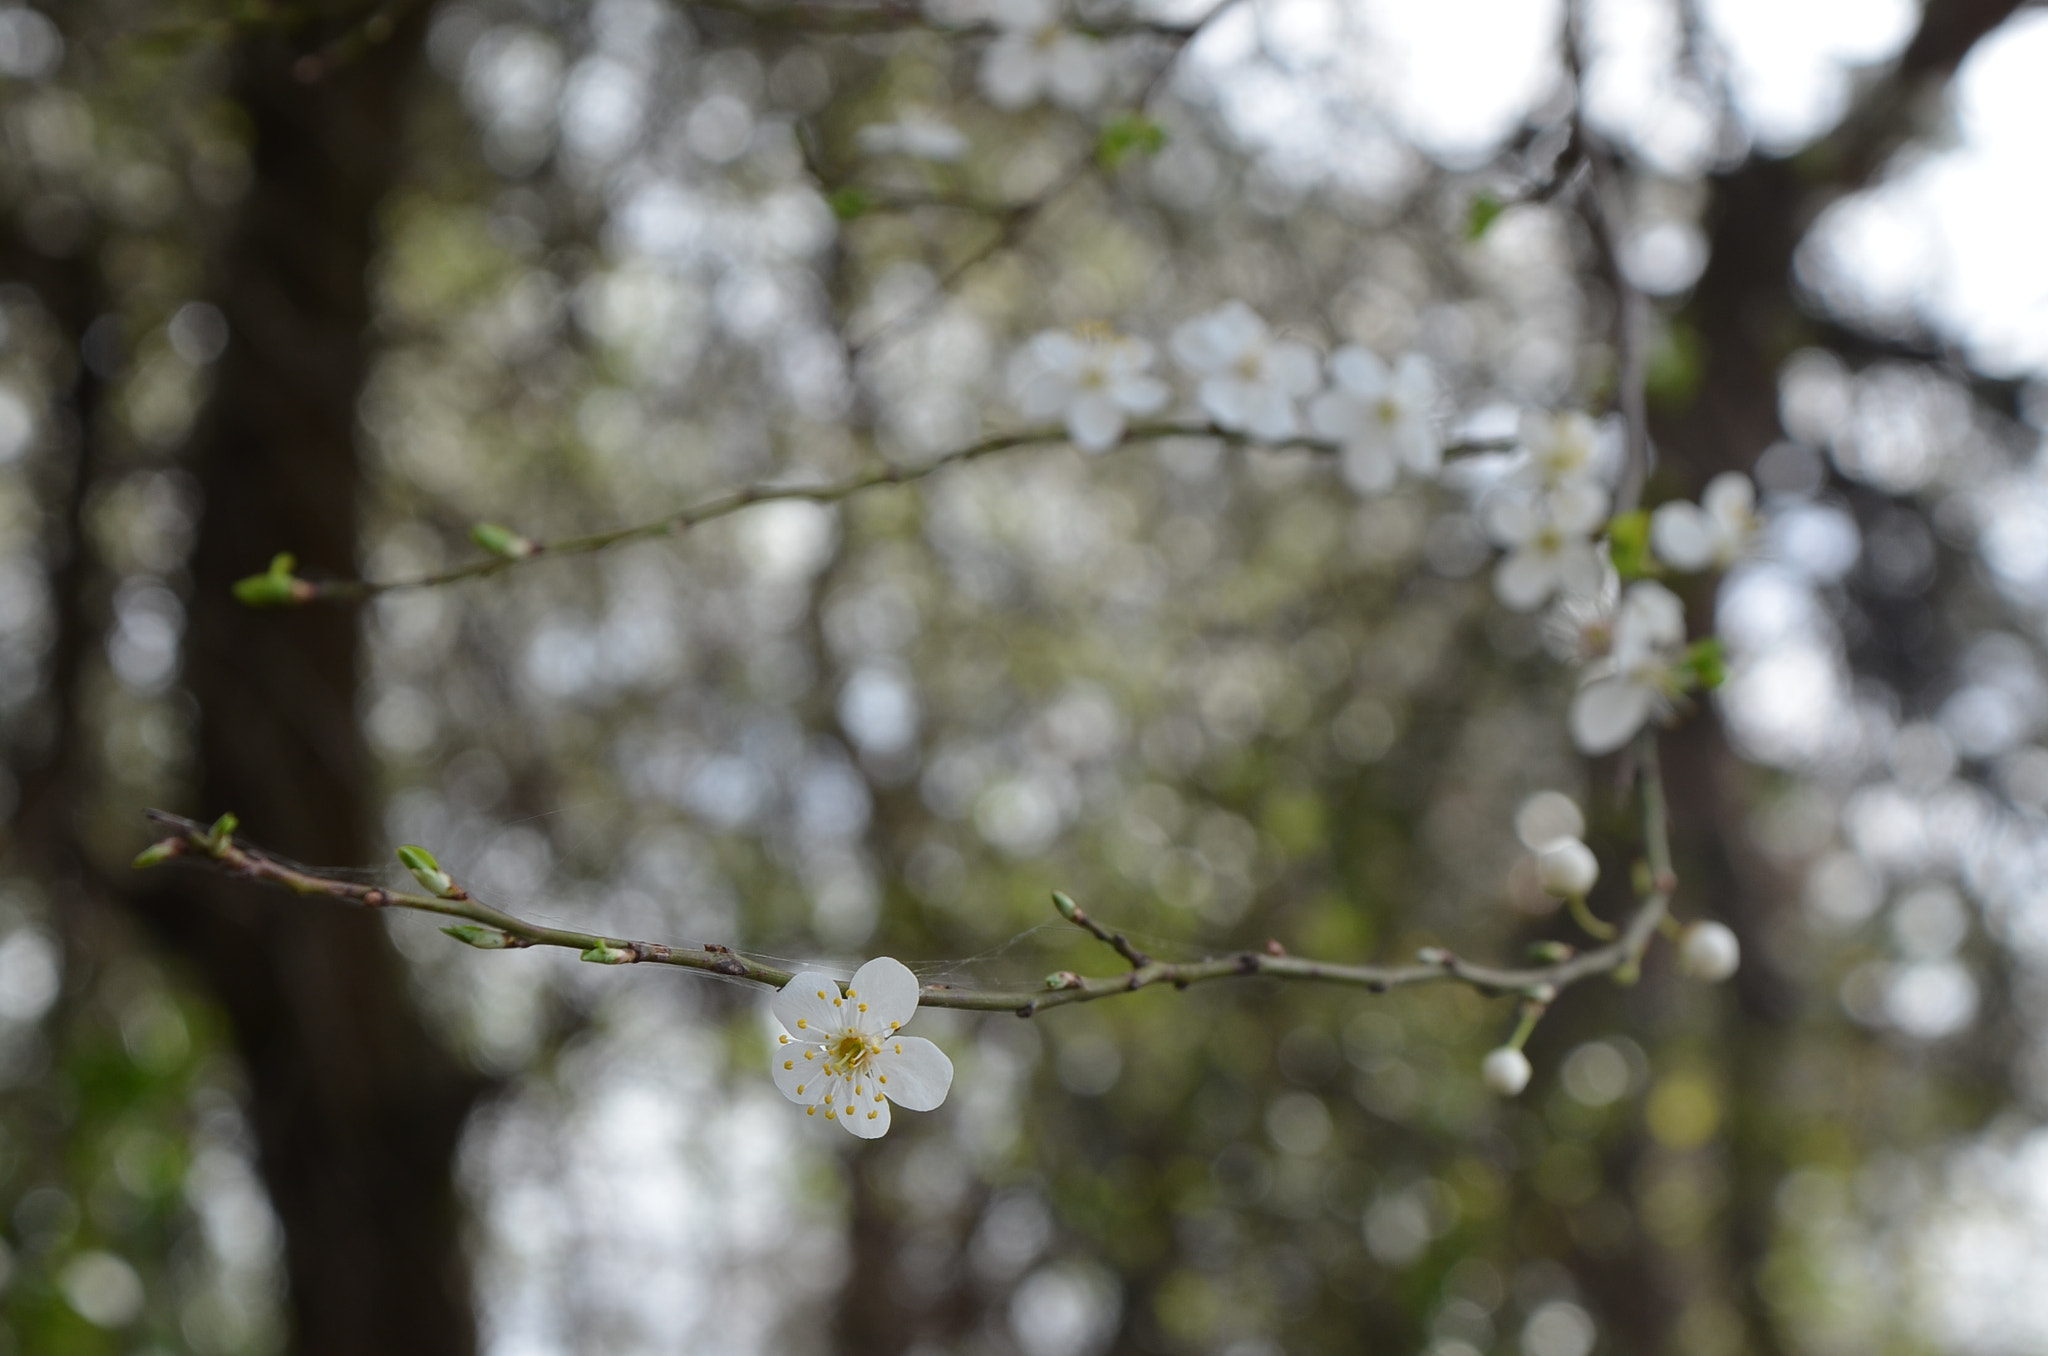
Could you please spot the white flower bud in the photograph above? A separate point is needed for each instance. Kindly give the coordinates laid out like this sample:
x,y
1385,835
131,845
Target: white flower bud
x,y
1709,951
1546,817
1506,1071
1567,868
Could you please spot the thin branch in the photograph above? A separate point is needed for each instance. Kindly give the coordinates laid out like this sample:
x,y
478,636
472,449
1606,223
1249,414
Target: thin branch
x,y
674,524
490,928
1632,308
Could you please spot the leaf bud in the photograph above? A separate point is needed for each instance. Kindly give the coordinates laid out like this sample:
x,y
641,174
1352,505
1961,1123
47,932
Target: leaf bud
x,y
156,854
503,541
427,871
276,587
483,939
1067,907
606,954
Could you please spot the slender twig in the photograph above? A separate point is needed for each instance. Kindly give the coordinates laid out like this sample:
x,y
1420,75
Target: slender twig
x,y
831,492
491,928
1632,308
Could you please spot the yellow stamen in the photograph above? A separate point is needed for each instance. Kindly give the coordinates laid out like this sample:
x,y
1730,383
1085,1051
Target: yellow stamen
x,y
789,1064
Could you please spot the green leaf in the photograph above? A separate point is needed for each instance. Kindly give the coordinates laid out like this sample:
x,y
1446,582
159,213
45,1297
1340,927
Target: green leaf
x,y
1628,545
1480,216
483,939
850,203
156,854
1706,664
223,831
1125,135
502,541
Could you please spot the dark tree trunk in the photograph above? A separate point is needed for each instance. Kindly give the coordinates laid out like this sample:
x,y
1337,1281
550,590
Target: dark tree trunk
x,y
356,1109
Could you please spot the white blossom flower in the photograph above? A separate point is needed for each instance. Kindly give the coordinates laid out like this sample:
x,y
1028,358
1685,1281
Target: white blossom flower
x,y
846,1055
1549,536
1714,532
917,133
1381,417
1561,449
1709,951
1639,677
1090,378
1034,57
1250,380
1506,1071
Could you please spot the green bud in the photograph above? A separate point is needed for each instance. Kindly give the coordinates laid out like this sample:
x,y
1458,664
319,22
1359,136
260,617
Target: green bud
x,y
1628,545
503,541
223,832
156,854
426,871
1706,664
1550,953
1480,216
1126,135
604,954
277,587
1067,907
483,939
849,204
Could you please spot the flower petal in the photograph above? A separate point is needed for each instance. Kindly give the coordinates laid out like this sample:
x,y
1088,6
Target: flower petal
x,y
1358,371
1094,422
1525,579
866,1113
914,1073
1011,73
1295,366
1367,466
805,1007
884,993
799,1073
1270,414
1140,394
1334,415
1606,712
1730,500
1682,536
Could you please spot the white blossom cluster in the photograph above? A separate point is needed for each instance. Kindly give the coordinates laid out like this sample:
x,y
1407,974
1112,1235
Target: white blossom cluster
x,y
1547,505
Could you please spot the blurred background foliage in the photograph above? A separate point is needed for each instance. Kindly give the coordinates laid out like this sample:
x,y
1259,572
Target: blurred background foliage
x,y
347,280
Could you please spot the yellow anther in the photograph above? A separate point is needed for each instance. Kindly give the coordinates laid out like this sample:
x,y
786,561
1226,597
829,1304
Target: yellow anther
x,y
830,1114
838,1002
782,1040
810,1054
863,1007
895,1025
873,1114
878,1097
801,1023
799,1089
789,1064
821,993
899,1047
810,1111
883,1077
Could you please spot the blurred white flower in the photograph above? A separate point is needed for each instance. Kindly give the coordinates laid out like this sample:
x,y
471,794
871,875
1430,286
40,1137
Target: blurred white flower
x,y
1713,533
1709,951
1639,678
1382,418
1033,58
1506,1071
1561,450
1249,379
1549,536
917,133
1090,378
1546,817
845,1056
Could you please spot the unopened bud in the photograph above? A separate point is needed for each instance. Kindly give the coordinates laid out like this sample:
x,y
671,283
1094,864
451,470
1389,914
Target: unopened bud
x,y
427,871
156,854
1067,907
1567,869
503,541
1433,955
1551,953
1506,1071
605,954
483,939
222,832
275,587
1063,979
1709,951
1546,817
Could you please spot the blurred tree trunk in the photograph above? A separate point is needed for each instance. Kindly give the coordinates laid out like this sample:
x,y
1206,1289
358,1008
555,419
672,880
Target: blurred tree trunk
x,y
356,1109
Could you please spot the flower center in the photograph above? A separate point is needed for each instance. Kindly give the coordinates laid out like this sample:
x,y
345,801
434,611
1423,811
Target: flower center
x,y
848,1055
1388,411
1249,367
